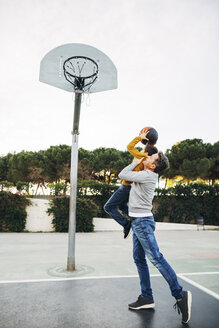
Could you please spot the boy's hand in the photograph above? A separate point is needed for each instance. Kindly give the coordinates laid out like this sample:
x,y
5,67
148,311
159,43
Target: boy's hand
x,y
144,135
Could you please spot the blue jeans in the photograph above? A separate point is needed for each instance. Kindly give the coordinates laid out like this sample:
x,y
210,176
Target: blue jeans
x,y
145,244
119,201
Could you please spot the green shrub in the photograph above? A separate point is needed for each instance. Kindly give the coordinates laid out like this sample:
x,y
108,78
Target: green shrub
x,y
5,184
98,192
85,211
58,188
12,212
23,186
184,203
92,195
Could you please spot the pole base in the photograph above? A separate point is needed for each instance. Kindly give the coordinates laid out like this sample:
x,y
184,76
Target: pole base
x,y
61,271
71,264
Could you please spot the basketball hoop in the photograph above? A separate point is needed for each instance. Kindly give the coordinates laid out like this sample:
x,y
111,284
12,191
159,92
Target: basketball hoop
x,y
81,72
71,65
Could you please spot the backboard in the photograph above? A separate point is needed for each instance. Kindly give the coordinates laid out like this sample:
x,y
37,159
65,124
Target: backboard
x,y
53,67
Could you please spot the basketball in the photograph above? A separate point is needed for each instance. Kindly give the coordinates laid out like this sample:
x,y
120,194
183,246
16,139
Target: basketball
x,y
152,135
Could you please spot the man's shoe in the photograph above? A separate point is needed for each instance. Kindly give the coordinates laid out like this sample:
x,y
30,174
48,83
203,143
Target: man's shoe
x,y
184,306
127,228
142,303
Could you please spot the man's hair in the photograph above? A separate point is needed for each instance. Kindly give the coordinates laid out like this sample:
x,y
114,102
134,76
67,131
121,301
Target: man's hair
x,y
161,163
150,149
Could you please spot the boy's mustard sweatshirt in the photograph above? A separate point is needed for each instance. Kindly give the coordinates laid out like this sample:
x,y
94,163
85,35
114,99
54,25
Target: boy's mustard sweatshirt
x,y
131,148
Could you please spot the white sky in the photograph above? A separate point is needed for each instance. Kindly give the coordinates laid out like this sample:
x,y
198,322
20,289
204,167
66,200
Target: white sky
x,y
166,53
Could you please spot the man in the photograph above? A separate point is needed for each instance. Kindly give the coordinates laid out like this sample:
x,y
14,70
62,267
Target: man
x,y
144,242
118,201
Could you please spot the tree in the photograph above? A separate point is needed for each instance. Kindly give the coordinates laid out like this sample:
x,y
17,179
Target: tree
x,y
193,159
36,177
213,154
4,163
85,165
108,162
52,161
18,165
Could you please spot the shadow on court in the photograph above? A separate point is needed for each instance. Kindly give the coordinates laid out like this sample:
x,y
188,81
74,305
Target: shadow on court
x,y
94,303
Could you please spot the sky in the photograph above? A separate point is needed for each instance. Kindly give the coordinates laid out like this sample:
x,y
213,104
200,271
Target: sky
x,y
166,53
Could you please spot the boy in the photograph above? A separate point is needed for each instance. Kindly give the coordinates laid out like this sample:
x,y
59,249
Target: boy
x,y
118,201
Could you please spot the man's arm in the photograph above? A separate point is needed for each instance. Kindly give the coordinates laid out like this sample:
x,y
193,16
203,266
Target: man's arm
x,y
134,176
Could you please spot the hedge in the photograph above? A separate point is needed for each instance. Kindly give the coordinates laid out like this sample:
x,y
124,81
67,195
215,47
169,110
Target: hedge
x,y
180,204
91,197
185,203
86,210
12,212
98,192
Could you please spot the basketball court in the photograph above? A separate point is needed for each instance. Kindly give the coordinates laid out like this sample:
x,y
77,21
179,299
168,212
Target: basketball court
x,y
32,294
98,302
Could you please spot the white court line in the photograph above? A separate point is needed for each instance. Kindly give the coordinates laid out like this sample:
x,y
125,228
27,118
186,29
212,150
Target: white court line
x,y
197,273
180,275
204,289
97,277
71,278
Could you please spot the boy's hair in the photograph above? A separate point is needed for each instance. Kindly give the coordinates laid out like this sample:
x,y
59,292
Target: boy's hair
x,y
150,149
161,163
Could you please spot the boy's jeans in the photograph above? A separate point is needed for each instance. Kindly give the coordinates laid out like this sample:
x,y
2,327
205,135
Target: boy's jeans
x,y
119,201
144,243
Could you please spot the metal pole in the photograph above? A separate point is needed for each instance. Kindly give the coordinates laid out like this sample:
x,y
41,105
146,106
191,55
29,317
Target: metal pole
x,y
73,182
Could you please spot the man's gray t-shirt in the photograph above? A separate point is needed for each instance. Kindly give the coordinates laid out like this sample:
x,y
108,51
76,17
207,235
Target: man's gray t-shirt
x,y
142,190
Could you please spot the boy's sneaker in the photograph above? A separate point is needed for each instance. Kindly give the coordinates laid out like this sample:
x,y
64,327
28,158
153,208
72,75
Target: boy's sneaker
x,y
127,228
142,303
184,306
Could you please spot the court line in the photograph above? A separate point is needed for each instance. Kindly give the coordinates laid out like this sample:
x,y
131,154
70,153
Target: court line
x,y
204,289
197,273
68,278
181,275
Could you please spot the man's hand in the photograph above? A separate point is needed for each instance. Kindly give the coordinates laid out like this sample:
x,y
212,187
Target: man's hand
x,y
138,160
144,135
